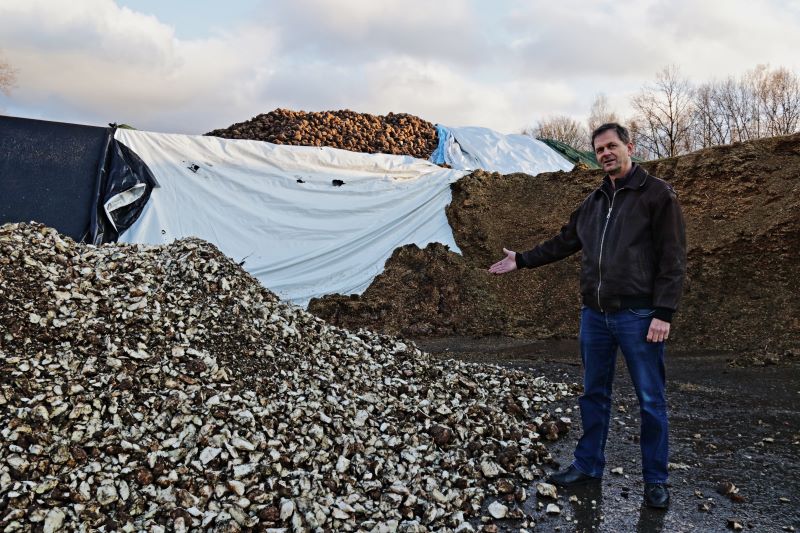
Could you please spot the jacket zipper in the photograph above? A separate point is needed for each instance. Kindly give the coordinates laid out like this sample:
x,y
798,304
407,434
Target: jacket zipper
x,y
602,240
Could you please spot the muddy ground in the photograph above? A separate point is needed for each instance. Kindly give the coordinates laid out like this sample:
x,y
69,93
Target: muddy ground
x,y
728,424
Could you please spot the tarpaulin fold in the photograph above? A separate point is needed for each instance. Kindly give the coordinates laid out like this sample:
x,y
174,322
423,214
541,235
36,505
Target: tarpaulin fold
x,y
125,187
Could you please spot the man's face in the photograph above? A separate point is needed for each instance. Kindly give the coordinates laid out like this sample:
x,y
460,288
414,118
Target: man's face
x,y
613,154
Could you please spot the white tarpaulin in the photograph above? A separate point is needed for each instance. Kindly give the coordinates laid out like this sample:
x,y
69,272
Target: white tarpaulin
x,y
306,221
471,148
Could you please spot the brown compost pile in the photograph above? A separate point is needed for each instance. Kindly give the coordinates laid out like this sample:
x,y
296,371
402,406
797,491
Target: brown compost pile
x,y
394,133
153,388
742,208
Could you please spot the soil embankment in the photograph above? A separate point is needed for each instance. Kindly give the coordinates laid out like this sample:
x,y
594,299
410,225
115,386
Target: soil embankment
x,y
743,228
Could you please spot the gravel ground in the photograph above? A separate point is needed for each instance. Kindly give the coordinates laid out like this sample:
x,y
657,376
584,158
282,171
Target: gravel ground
x,y
729,425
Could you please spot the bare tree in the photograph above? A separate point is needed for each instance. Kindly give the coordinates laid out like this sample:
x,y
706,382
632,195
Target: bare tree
x,y
709,126
663,114
750,119
778,96
726,111
600,113
561,128
672,117
640,149
8,76
761,103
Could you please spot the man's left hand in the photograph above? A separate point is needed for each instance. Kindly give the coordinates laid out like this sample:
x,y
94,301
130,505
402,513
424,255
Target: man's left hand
x,y
658,332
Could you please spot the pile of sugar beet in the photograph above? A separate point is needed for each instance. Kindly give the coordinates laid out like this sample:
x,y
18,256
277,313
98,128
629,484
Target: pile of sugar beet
x,y
163,388
393,133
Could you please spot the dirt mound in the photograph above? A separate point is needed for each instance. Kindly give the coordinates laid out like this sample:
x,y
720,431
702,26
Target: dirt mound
x,y
395,133
741,204
425,301
152,388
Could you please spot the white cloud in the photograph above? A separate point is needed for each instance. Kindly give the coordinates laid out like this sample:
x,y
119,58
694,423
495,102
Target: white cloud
x,y
616,47
94,27
366,30
453,99
95,60
602,39
721,38
459,62
430,89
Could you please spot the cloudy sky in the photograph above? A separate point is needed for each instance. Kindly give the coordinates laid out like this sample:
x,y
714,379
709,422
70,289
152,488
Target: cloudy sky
x,y
192,66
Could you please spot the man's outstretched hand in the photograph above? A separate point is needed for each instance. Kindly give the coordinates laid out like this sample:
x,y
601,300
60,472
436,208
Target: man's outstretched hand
x,y
507,264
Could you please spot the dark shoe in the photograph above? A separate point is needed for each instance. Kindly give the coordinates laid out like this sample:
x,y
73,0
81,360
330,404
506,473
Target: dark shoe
x,y
571,476
656,495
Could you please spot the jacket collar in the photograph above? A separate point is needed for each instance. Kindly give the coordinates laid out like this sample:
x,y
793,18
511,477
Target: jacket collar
x,y
634,179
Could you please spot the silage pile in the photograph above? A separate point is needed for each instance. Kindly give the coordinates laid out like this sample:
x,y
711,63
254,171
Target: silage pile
x,y
395,133
152,388
742,292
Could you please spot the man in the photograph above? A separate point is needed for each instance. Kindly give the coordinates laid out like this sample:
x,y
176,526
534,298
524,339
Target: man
x,y
631,234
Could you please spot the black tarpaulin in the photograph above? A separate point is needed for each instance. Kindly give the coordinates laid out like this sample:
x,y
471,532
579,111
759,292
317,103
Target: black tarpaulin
x,y
74,178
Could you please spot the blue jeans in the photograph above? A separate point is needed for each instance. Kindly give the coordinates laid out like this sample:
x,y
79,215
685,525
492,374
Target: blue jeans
x,y
600,336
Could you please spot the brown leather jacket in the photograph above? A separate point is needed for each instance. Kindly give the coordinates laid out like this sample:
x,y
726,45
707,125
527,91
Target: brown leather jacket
x,y
633,240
